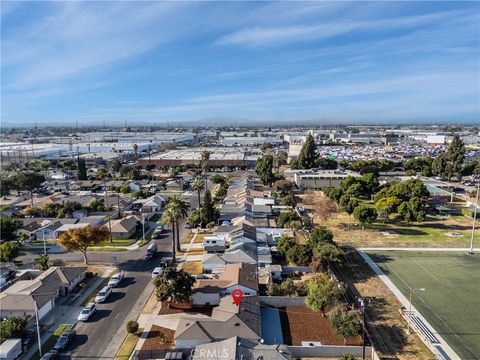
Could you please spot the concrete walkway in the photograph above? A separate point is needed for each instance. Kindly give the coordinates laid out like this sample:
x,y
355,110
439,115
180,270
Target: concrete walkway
x,y
418,249
65,314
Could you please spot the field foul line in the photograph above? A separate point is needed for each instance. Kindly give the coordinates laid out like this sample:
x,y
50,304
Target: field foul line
x,y
426,270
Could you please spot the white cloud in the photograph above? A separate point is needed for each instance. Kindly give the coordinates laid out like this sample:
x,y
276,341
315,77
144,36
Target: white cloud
x,y
270,36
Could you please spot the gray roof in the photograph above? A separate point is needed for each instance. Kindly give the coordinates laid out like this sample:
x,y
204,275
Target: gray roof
x,y
239,348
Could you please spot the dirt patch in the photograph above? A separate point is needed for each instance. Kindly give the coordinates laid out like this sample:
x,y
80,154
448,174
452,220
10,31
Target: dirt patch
x,y
301,324
159,338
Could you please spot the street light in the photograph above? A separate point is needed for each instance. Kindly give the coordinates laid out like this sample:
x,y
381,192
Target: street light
x,y
474,219
143,226
37,320
362,306
410,307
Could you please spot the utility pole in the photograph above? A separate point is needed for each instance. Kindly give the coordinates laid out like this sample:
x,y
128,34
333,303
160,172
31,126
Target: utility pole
x,y
474,219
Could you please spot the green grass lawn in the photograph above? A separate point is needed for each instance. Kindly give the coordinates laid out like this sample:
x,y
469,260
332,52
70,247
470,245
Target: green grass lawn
x,y
452,291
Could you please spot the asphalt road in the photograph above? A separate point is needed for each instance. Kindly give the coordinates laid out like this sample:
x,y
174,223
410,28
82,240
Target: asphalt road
x,y
93,336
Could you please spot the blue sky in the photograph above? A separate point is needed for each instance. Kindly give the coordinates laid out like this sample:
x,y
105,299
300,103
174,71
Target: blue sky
x,y
217,62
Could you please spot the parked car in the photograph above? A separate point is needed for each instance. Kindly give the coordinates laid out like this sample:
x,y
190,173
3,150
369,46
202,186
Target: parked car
x,y
157,272
52,354
103,294
64,340
116,279
88,311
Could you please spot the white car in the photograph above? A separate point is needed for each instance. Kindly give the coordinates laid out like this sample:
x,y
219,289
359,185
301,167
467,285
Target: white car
x,y
103,294
157,272
88,311
116,279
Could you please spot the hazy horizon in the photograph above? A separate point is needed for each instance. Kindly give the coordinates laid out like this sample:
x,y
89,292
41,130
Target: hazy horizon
x,y
240,63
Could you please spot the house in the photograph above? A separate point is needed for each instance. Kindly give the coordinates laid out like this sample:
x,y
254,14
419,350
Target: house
x,y
80,214
94,220
217,262
238,348
65,227
124,228
18,299
49,227
174,185
228,320
135,186
153,204
241,276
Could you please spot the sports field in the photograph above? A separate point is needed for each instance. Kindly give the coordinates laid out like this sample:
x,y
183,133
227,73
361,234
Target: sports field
x,y
451,300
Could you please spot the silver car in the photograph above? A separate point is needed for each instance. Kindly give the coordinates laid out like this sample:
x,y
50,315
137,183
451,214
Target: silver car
x,y
103,294
88,311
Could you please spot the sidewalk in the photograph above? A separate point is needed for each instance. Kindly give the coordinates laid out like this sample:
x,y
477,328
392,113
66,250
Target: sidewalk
x,y
64,314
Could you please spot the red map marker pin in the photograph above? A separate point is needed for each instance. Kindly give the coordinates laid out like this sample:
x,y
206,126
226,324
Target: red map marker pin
x,y
237,296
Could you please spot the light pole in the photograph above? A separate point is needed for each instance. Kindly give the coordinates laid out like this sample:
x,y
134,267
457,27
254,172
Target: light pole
x,y
38,328
474,220
410,307
37,319
44,242
362,306
143,227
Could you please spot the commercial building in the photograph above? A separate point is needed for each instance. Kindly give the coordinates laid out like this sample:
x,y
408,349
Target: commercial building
x,y
310,179
219,157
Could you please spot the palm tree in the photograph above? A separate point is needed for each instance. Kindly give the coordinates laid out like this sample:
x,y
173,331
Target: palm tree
x,y
197,184
149,150
42,261
135,149
180,210
205,156
169,218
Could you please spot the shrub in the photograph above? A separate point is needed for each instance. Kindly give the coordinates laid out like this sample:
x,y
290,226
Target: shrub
x,y
132,327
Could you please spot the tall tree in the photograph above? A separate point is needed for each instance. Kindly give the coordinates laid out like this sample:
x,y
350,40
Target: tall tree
x,y
8,227
324,255
135,150
264,169
169,217
204,165
209,211
174,286
345,323
322,291
319,235
82,238
455,156
197,185
308,153
81,169
365,214
178,209
28,181
387,205
8,251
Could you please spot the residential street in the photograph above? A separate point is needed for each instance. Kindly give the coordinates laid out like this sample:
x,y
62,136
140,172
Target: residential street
x,y
101,336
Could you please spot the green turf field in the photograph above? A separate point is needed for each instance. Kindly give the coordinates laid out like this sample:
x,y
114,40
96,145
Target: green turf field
x,y
451,300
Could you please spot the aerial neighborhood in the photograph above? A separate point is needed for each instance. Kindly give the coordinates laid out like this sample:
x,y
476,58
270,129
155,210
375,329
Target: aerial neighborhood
x,y
280,257
239,180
